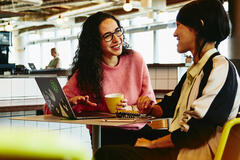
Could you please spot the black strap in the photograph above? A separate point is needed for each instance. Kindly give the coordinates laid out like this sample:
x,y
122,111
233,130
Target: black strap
x,y
206,70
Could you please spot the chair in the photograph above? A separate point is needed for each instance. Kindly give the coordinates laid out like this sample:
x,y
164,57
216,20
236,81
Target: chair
x,y
229,144
161,123
32,144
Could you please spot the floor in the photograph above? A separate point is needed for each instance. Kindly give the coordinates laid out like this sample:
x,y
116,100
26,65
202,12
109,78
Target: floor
x,y
73,131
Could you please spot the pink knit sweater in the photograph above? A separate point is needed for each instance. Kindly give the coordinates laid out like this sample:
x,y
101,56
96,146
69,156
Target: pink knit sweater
x,y
129,77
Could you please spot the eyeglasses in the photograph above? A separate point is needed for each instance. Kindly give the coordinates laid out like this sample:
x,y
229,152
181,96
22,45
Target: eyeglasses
x,y
109,35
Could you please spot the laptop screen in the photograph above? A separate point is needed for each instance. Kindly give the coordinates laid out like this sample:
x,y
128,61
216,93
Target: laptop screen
x,y
58,103
55,98
32,66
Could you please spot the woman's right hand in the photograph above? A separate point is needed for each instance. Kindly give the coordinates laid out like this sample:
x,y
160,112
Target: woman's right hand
x,y
82,100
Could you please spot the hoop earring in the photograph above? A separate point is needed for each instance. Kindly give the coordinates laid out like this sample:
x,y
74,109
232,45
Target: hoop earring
x,y
202,22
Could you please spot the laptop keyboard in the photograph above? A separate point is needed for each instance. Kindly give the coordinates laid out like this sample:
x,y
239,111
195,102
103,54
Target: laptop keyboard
x,y
127,114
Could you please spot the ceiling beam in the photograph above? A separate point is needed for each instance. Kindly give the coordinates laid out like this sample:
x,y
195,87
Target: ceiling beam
x,y
6,14
35,28
171,2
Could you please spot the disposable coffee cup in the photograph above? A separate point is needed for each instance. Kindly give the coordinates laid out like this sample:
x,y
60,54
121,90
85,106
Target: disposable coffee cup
x,y
112,100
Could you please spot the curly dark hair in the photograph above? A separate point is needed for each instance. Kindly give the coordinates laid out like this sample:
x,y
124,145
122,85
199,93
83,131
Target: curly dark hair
x,y
87,61
216,26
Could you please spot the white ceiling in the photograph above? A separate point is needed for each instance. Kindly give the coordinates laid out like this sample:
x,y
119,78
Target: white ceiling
x,y
27,15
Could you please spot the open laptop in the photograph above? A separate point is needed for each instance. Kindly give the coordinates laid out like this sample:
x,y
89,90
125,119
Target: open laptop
x,y
32,66
58,103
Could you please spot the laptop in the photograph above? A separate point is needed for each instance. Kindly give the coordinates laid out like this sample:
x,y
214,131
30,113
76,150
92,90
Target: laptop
x,y
58,103
32,66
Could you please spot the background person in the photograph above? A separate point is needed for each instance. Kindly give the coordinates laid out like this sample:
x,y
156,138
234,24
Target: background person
x,y
55,62
207,96
104,64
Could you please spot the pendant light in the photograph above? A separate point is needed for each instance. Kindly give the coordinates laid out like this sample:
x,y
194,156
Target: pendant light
x,y
9,27
127,6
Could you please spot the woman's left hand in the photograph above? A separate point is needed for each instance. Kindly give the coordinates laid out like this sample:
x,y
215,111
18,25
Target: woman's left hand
x,y
142,142
122,104
162,142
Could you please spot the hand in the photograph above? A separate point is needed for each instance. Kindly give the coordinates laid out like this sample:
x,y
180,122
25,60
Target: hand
x,y
122,104
162,142
81,99
142,142
144,104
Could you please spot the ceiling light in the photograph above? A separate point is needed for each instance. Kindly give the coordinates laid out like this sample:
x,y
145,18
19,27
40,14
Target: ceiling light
x,y
9,27
59,20
127,6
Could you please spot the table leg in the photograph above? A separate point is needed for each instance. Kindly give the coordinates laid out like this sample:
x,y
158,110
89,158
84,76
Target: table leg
x,y
96,137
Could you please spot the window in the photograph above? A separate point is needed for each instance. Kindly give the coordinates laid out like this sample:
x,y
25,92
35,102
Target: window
x,y
46,54
63,32
74,47
65,55
167,45
139,44
138,35
224,47
34,55
76,30
48,34
141,20
34,36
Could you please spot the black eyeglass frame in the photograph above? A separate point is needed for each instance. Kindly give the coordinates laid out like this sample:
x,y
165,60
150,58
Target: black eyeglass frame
x,y
119,29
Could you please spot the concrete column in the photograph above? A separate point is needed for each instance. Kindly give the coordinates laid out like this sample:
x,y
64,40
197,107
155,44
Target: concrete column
x,y
234,14
156,46
155,40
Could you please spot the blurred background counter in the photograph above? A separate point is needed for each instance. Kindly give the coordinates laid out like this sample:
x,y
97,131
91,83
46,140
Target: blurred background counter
x,y
164,77
23,86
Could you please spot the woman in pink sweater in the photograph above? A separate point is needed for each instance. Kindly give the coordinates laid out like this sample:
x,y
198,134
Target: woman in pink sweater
x,y
103,64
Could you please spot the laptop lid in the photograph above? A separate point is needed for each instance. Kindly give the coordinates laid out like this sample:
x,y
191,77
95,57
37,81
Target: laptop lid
x,y
32,66
58,103
55,98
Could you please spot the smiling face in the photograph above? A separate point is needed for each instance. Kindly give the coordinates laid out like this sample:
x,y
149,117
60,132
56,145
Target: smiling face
x,y
113,47
186,37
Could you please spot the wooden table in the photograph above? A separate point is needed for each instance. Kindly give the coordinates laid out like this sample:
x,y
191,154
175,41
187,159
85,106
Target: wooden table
x,y
21,105
96,124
